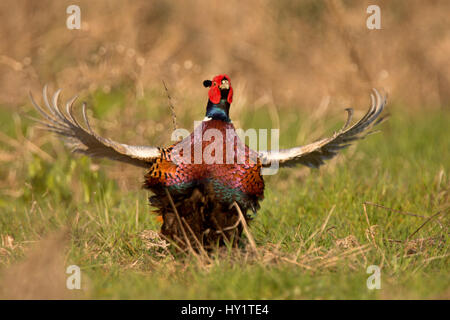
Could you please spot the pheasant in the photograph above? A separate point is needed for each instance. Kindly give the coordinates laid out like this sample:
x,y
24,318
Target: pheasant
x,y
203,187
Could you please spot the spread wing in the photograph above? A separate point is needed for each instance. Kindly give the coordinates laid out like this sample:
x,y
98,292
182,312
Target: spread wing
x,y
85,140
314,154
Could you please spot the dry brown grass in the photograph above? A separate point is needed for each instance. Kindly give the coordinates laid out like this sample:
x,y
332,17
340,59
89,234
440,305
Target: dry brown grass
x,y
41,274
306,255
287,52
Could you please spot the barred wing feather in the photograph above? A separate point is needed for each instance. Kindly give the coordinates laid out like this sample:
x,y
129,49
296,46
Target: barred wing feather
x,y
314,154
85,140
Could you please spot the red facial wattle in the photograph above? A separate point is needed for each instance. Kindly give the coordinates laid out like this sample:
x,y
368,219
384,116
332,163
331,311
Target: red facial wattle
x,y
214,92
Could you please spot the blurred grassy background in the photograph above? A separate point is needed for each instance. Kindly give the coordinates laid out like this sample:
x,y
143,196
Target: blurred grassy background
x,y
291,53
294,65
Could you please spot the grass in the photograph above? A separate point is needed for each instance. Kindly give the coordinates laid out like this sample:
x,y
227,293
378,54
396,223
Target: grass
x,y
314,238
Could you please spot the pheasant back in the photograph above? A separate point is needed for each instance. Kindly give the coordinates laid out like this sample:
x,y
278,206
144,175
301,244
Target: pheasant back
x,y
204,185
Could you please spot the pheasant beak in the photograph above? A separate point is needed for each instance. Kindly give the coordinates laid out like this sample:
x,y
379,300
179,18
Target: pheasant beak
x,y
225,85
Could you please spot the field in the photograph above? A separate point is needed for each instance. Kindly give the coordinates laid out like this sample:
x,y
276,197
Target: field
x,y
295,66
314,238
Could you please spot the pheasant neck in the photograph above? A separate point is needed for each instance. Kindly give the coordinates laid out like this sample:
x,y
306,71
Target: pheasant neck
x,y
219,111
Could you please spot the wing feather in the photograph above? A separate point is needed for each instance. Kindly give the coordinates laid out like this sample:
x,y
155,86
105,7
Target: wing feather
x,y
314,154
85,140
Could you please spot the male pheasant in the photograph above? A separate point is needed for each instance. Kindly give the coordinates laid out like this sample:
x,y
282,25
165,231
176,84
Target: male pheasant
x,y
205,183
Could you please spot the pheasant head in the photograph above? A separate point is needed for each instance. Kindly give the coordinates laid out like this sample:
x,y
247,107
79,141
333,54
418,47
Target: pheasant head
x,y
220,96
